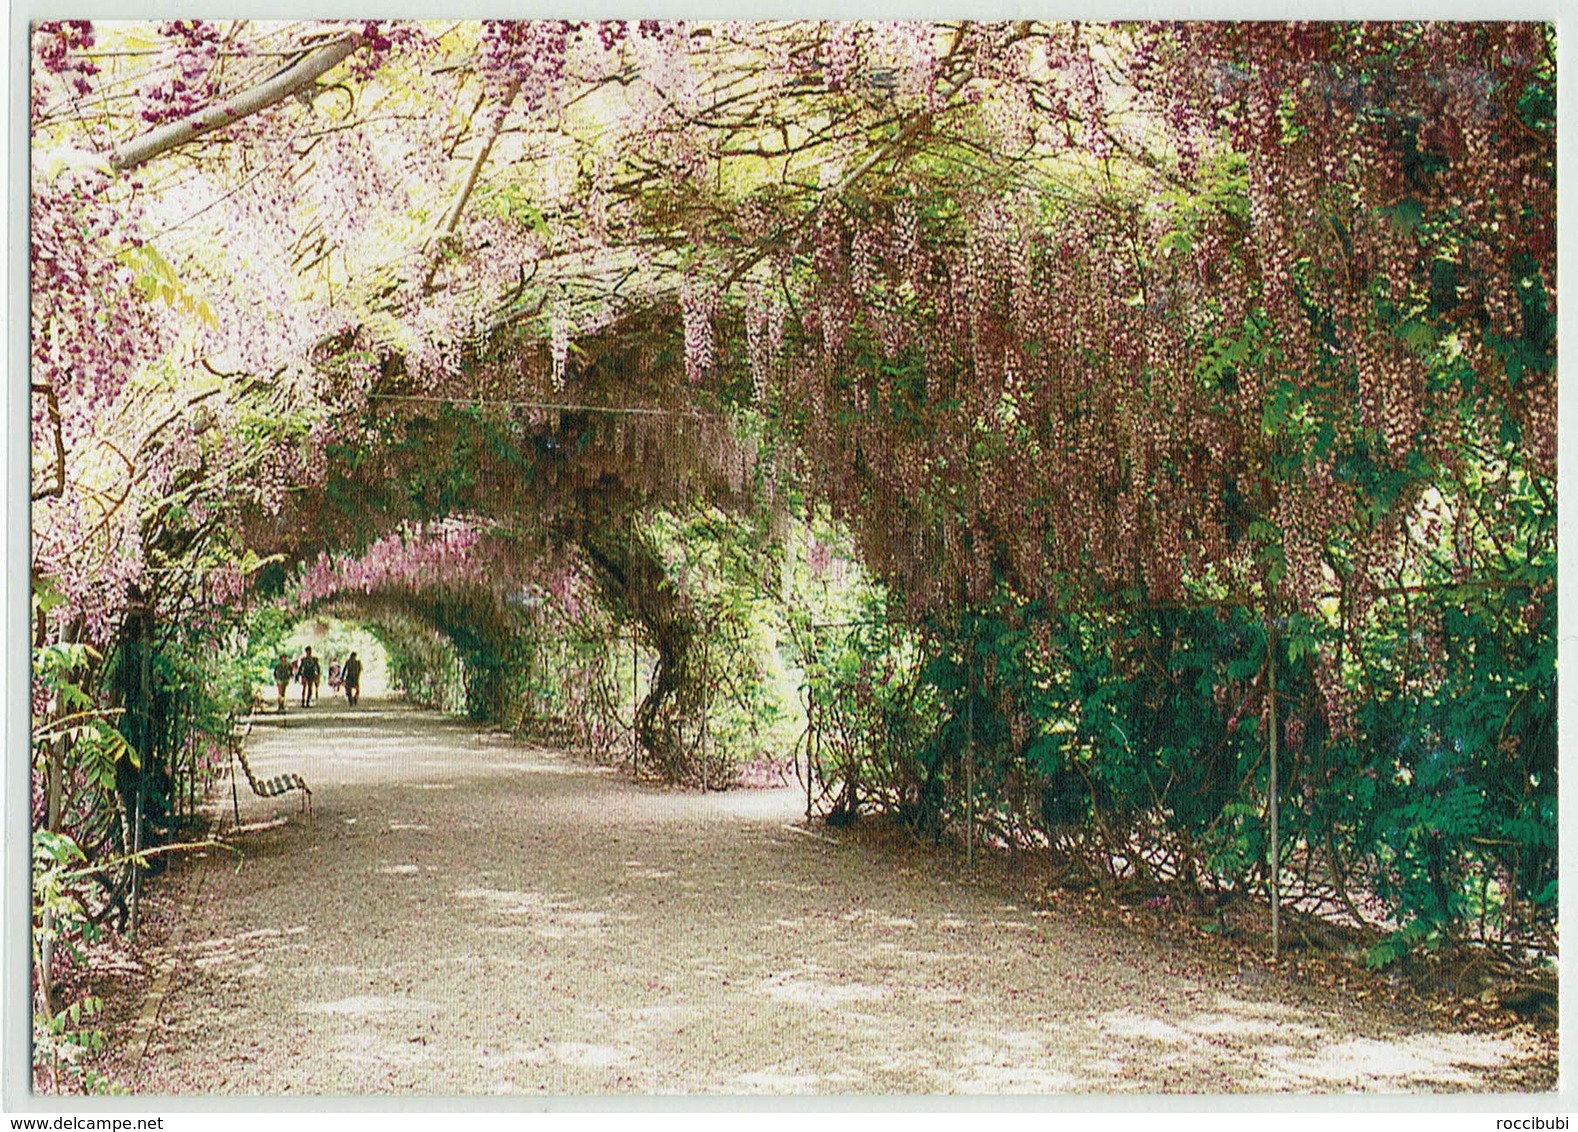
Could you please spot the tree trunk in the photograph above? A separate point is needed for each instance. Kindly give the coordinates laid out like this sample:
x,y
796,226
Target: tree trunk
x,y
638,589
298,76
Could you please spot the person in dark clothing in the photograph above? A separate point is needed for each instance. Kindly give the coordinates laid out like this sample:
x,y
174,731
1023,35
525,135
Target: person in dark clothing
x,y
351,677
308,673
283,670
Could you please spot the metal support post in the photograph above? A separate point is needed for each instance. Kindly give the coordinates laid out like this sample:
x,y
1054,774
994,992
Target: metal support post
x,y
635,702
1276,859
969,766
142,771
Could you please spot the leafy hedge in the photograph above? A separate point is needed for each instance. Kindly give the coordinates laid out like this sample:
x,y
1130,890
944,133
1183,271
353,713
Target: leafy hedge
x,y
1134,743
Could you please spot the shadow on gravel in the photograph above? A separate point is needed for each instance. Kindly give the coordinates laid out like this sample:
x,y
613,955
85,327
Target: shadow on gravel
x,y
469,915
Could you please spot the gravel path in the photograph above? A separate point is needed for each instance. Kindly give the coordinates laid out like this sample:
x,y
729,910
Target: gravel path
x,y
468,915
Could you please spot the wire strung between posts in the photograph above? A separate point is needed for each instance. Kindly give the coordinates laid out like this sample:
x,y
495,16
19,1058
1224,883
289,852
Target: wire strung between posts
x,y
550,406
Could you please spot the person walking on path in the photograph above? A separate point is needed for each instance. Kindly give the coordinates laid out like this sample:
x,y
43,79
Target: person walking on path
x,y
307,672
351,677
283,670
334,676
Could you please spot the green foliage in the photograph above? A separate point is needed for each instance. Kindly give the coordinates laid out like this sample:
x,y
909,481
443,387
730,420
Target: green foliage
x,y
128,734
80,741
64,1043
421,663
691,607
1145,725
873,715
730,571
1128,720
86,731
157,279
1400,943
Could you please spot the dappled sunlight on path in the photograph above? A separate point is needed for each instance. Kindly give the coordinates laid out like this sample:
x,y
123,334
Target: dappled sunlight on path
x,y
468,914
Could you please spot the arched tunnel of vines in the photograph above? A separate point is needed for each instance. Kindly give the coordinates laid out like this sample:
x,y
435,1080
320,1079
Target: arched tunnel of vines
x,y
1041,535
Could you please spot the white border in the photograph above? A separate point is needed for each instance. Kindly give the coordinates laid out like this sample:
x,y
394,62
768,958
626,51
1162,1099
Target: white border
x,y
1451,1110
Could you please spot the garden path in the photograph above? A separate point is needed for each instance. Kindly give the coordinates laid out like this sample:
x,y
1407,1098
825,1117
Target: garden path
x,y
466,914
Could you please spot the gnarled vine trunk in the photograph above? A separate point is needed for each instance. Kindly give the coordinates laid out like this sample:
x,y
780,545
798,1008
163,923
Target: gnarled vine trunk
x,y
638,589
